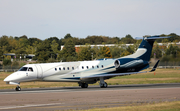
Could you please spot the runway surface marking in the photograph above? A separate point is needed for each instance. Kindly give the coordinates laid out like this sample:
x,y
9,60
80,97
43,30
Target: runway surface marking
x,y
45,91
30,105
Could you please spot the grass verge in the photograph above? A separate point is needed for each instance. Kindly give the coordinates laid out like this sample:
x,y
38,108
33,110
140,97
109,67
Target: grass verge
x,y
165,106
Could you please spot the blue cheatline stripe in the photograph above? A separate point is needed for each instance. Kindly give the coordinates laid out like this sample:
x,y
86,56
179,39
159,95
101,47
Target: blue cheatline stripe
x,y
76,78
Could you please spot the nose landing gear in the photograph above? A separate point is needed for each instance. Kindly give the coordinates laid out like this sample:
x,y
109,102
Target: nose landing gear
x,y
18,88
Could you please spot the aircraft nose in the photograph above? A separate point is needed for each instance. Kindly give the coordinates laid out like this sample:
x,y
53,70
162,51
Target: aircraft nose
x,y
9,78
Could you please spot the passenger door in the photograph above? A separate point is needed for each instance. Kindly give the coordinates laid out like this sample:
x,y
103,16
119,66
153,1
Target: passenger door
x,y
39,71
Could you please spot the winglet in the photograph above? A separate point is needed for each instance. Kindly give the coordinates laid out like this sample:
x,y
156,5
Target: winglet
x,y
155,66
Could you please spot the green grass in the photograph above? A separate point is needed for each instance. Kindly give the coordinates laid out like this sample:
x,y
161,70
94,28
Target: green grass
x,y
165,106
160,76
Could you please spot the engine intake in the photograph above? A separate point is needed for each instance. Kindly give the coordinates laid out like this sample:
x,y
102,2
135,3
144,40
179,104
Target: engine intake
x,y
117,64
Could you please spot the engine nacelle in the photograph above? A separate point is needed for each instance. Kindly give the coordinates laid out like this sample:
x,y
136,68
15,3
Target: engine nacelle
x,y
117,64
127,63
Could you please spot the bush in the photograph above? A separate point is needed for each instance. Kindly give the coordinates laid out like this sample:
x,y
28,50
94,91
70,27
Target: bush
x,y
1,66
15,65
22,64
51,60
7,62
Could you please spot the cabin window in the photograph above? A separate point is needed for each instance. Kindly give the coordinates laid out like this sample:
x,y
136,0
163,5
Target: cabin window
x,y
82,67
59,68
102,66
23,69
67,68
63,68
55,69
93,67
72,68
97,66
30,69
87,67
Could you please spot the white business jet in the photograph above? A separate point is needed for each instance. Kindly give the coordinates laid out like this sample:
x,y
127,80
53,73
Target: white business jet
x,y
87,72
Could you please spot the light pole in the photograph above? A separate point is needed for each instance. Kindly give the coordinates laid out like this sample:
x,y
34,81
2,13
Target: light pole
x,y
92,56
20,57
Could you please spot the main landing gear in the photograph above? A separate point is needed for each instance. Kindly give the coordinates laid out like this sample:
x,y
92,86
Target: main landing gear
x,y
18,88
83,85
102,84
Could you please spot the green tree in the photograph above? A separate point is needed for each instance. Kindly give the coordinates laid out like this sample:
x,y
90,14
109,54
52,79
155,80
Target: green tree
x,y
15,65
68,51
67,36
1,53
54,46
44,51
4,43
129,36
105,52
85,53
172,50
7,62
95,52
130,49
29,49
156,52
116,51
20,50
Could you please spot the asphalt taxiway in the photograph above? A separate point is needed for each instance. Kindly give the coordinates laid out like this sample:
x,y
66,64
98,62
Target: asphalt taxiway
x,y
66,98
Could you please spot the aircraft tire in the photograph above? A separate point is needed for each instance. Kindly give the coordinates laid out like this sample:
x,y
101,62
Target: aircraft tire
x,y
104,85
18,88
84,85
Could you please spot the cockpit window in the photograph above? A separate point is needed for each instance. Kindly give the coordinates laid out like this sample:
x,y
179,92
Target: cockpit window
x,y
30,69
23,69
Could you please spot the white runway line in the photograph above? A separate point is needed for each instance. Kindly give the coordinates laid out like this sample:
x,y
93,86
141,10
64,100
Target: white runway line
x,y
44,91
30,105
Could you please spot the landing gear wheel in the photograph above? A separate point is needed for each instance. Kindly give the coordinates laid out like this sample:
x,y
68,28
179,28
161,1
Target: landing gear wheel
x,y
104,85
84,85
18,88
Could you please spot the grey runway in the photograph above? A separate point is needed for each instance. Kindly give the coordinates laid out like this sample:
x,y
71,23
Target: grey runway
x,y
67,98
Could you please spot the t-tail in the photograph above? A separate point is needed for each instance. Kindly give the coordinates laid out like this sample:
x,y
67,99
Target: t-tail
x,y
145,48
140,59
147,45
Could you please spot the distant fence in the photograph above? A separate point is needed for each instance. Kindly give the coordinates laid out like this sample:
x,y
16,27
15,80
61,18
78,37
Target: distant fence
x,y
169,63
171,67
8,69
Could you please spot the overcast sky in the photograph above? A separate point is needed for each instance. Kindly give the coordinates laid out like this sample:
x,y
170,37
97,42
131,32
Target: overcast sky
x,y
82,18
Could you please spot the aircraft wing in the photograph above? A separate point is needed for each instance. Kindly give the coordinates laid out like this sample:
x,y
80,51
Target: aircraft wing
x,y
118,74
111,75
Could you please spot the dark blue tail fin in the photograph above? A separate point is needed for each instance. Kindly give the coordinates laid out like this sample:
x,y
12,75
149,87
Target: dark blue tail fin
x,y
147,45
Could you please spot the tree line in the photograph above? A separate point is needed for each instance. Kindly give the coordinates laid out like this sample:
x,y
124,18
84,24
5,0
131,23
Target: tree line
x,y
49,50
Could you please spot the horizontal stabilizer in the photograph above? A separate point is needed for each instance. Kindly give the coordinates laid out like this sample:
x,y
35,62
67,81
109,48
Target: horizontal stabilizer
x,y
155,37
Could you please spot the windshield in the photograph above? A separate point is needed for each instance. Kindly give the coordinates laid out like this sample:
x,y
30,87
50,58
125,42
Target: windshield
x,y
23,69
